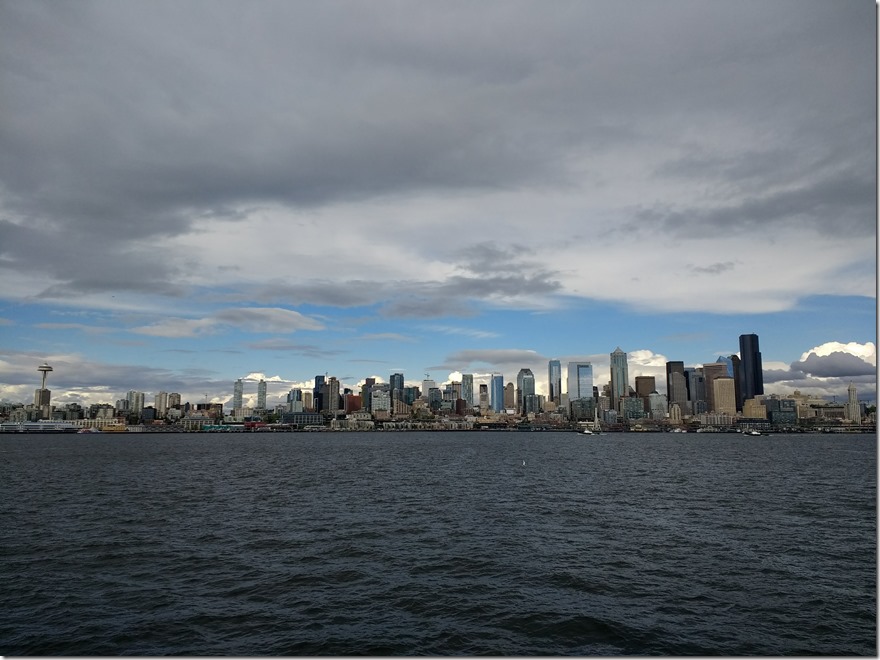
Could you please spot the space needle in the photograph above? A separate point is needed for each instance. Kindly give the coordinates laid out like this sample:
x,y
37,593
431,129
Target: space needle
x,y
45,368
43,397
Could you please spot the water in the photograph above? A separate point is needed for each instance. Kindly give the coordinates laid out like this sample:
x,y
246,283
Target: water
x,y
438,544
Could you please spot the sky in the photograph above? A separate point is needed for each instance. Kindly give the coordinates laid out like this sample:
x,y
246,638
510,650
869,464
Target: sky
x,y
193,192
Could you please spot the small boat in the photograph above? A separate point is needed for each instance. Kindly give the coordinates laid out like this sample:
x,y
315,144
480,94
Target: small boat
x,y
587,431
90,429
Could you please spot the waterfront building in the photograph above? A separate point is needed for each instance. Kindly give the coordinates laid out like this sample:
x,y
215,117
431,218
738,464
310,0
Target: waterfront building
x,y
781,412
752,370
261,395
496,392
619,377
554,381
754,409
237,395
582,409
853,409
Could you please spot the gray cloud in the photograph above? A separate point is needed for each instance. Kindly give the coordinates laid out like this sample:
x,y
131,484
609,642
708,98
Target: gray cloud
x,y
285,346
452,296
139,113
493,357
713,269
269,320
836,365
127,124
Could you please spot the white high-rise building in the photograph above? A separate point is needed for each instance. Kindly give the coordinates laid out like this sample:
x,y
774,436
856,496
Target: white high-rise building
x,y
237,394
853,409
135,401
261,395
619,377
160,402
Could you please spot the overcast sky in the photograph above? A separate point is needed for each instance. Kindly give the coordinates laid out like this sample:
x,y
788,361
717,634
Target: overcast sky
x,y
194,192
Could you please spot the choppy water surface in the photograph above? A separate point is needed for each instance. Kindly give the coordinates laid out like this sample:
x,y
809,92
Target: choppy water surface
x,y
438,543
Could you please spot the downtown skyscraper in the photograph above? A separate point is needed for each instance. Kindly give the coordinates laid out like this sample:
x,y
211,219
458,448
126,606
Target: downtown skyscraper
x,y
261,395
580,380
619,377
554,381
237,394
496,392
526,402
752,370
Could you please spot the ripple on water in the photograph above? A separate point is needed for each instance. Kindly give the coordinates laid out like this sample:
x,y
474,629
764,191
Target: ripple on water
x,y
439,544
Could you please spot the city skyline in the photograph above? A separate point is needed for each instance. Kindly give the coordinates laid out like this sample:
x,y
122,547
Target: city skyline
x,y
581,382
359,190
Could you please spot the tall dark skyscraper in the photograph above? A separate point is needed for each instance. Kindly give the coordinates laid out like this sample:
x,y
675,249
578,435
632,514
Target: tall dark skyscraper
x,y
750,363
554,380
318,393
676,385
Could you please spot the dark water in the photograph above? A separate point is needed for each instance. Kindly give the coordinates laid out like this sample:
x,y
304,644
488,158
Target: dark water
x,y
438,544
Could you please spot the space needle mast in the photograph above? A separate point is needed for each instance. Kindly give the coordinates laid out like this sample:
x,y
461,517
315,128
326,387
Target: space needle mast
x,y
45,368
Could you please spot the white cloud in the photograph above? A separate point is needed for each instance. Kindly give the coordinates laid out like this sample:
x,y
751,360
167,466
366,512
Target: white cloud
x,y
866,351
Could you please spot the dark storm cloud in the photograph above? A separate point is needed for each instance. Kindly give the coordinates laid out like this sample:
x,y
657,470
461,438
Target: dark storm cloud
x,y
841,203
82,262
125,122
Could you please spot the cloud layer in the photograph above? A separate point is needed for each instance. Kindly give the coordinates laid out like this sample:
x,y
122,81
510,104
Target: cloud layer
x,y
178,175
